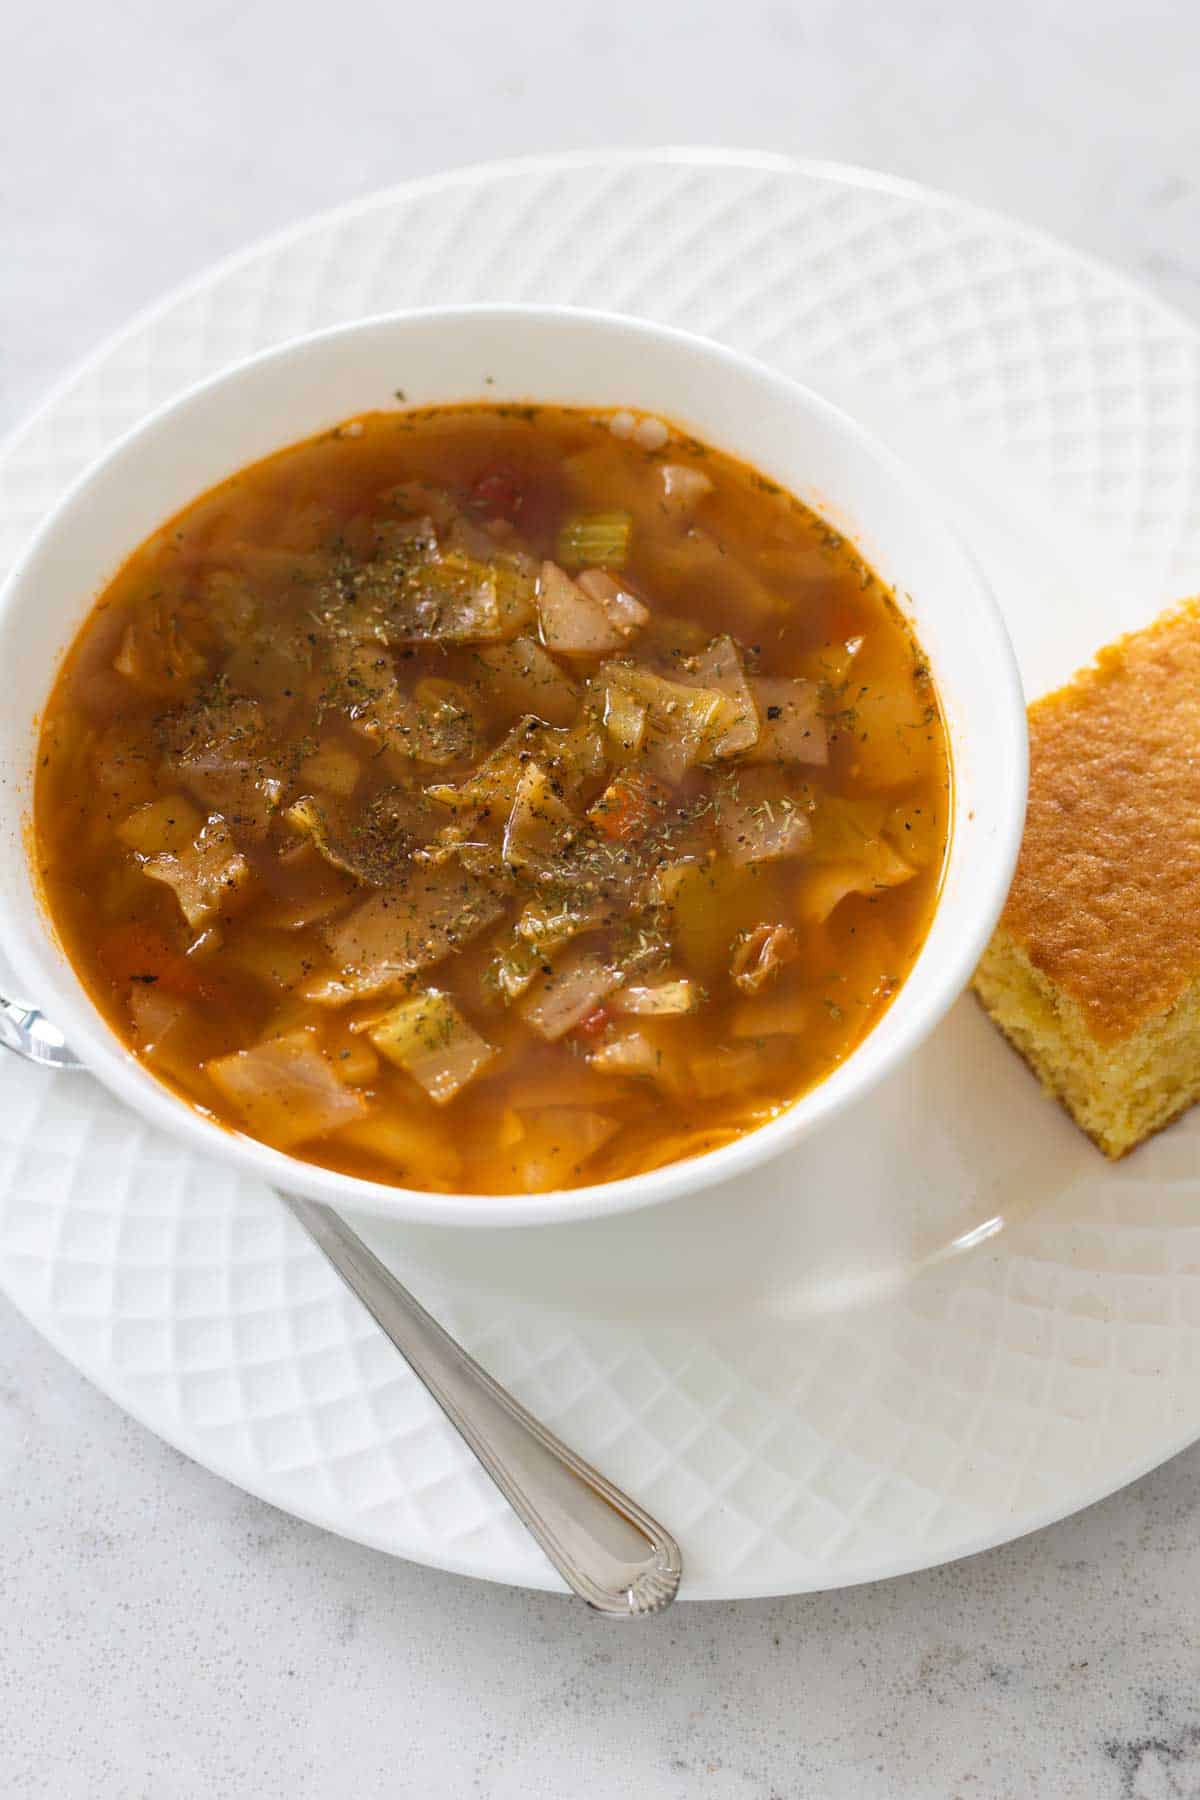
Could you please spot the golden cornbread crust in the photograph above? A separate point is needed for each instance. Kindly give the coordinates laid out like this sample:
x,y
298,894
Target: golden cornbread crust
x,y
1118,1094
1106,898
1094,971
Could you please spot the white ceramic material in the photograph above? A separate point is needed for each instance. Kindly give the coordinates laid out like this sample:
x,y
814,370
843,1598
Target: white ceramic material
x,y
575,358
938,1322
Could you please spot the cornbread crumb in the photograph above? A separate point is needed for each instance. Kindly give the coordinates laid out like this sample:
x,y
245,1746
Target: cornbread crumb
x,y
1093,973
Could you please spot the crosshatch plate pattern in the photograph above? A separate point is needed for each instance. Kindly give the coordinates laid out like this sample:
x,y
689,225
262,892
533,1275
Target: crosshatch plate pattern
x,y
941,1323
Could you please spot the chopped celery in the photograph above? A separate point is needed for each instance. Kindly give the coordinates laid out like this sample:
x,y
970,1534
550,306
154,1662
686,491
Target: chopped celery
x,y
429,1037
595,540
664,997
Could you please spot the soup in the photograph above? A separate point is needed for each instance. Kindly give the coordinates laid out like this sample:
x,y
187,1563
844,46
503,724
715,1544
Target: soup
x,y
493,799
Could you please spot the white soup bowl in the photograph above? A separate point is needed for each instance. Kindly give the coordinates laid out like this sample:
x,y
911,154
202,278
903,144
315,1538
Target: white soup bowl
x,y
508,353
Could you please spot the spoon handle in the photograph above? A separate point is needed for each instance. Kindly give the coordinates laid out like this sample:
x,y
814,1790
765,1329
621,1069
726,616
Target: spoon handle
x,y
606,1548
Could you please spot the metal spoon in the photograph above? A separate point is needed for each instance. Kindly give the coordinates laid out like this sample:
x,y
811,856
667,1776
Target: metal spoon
x,y
28,1032
607,1549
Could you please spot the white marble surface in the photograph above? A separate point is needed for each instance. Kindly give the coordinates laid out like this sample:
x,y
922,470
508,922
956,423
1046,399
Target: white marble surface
x,y
164,1636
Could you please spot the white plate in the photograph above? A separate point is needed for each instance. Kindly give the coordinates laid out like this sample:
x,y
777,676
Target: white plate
x,y
944,1322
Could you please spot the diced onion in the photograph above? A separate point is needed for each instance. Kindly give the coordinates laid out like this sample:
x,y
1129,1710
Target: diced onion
x,y
720,668
155,1014
574,623
624,609
758,820
575,987
792,729
683,488
526,678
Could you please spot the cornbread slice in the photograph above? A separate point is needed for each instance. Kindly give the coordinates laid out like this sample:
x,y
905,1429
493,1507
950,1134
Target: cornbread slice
x,y
1094,970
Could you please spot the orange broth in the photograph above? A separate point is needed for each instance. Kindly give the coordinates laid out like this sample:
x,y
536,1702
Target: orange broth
x,y
493,799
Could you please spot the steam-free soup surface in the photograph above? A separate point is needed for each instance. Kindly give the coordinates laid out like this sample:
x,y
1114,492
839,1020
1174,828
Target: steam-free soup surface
x,y
493,799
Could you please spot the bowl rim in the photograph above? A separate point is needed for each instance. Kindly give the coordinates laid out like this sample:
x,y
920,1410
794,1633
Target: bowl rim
x,y
113,1064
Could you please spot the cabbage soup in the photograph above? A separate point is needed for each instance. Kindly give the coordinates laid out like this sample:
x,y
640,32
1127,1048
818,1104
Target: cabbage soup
x,y
493,799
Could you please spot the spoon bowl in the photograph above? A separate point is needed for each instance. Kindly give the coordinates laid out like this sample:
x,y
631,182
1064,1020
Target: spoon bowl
x,y
29,1033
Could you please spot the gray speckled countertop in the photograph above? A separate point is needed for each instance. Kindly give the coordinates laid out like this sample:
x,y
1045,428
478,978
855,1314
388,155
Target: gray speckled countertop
x,y
161,1634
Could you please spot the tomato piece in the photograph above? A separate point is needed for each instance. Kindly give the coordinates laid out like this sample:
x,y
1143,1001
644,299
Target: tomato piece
x,y
497,496
628,805
594,1023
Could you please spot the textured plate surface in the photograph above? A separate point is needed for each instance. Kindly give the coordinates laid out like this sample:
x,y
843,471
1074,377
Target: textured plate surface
x,y
942,1323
